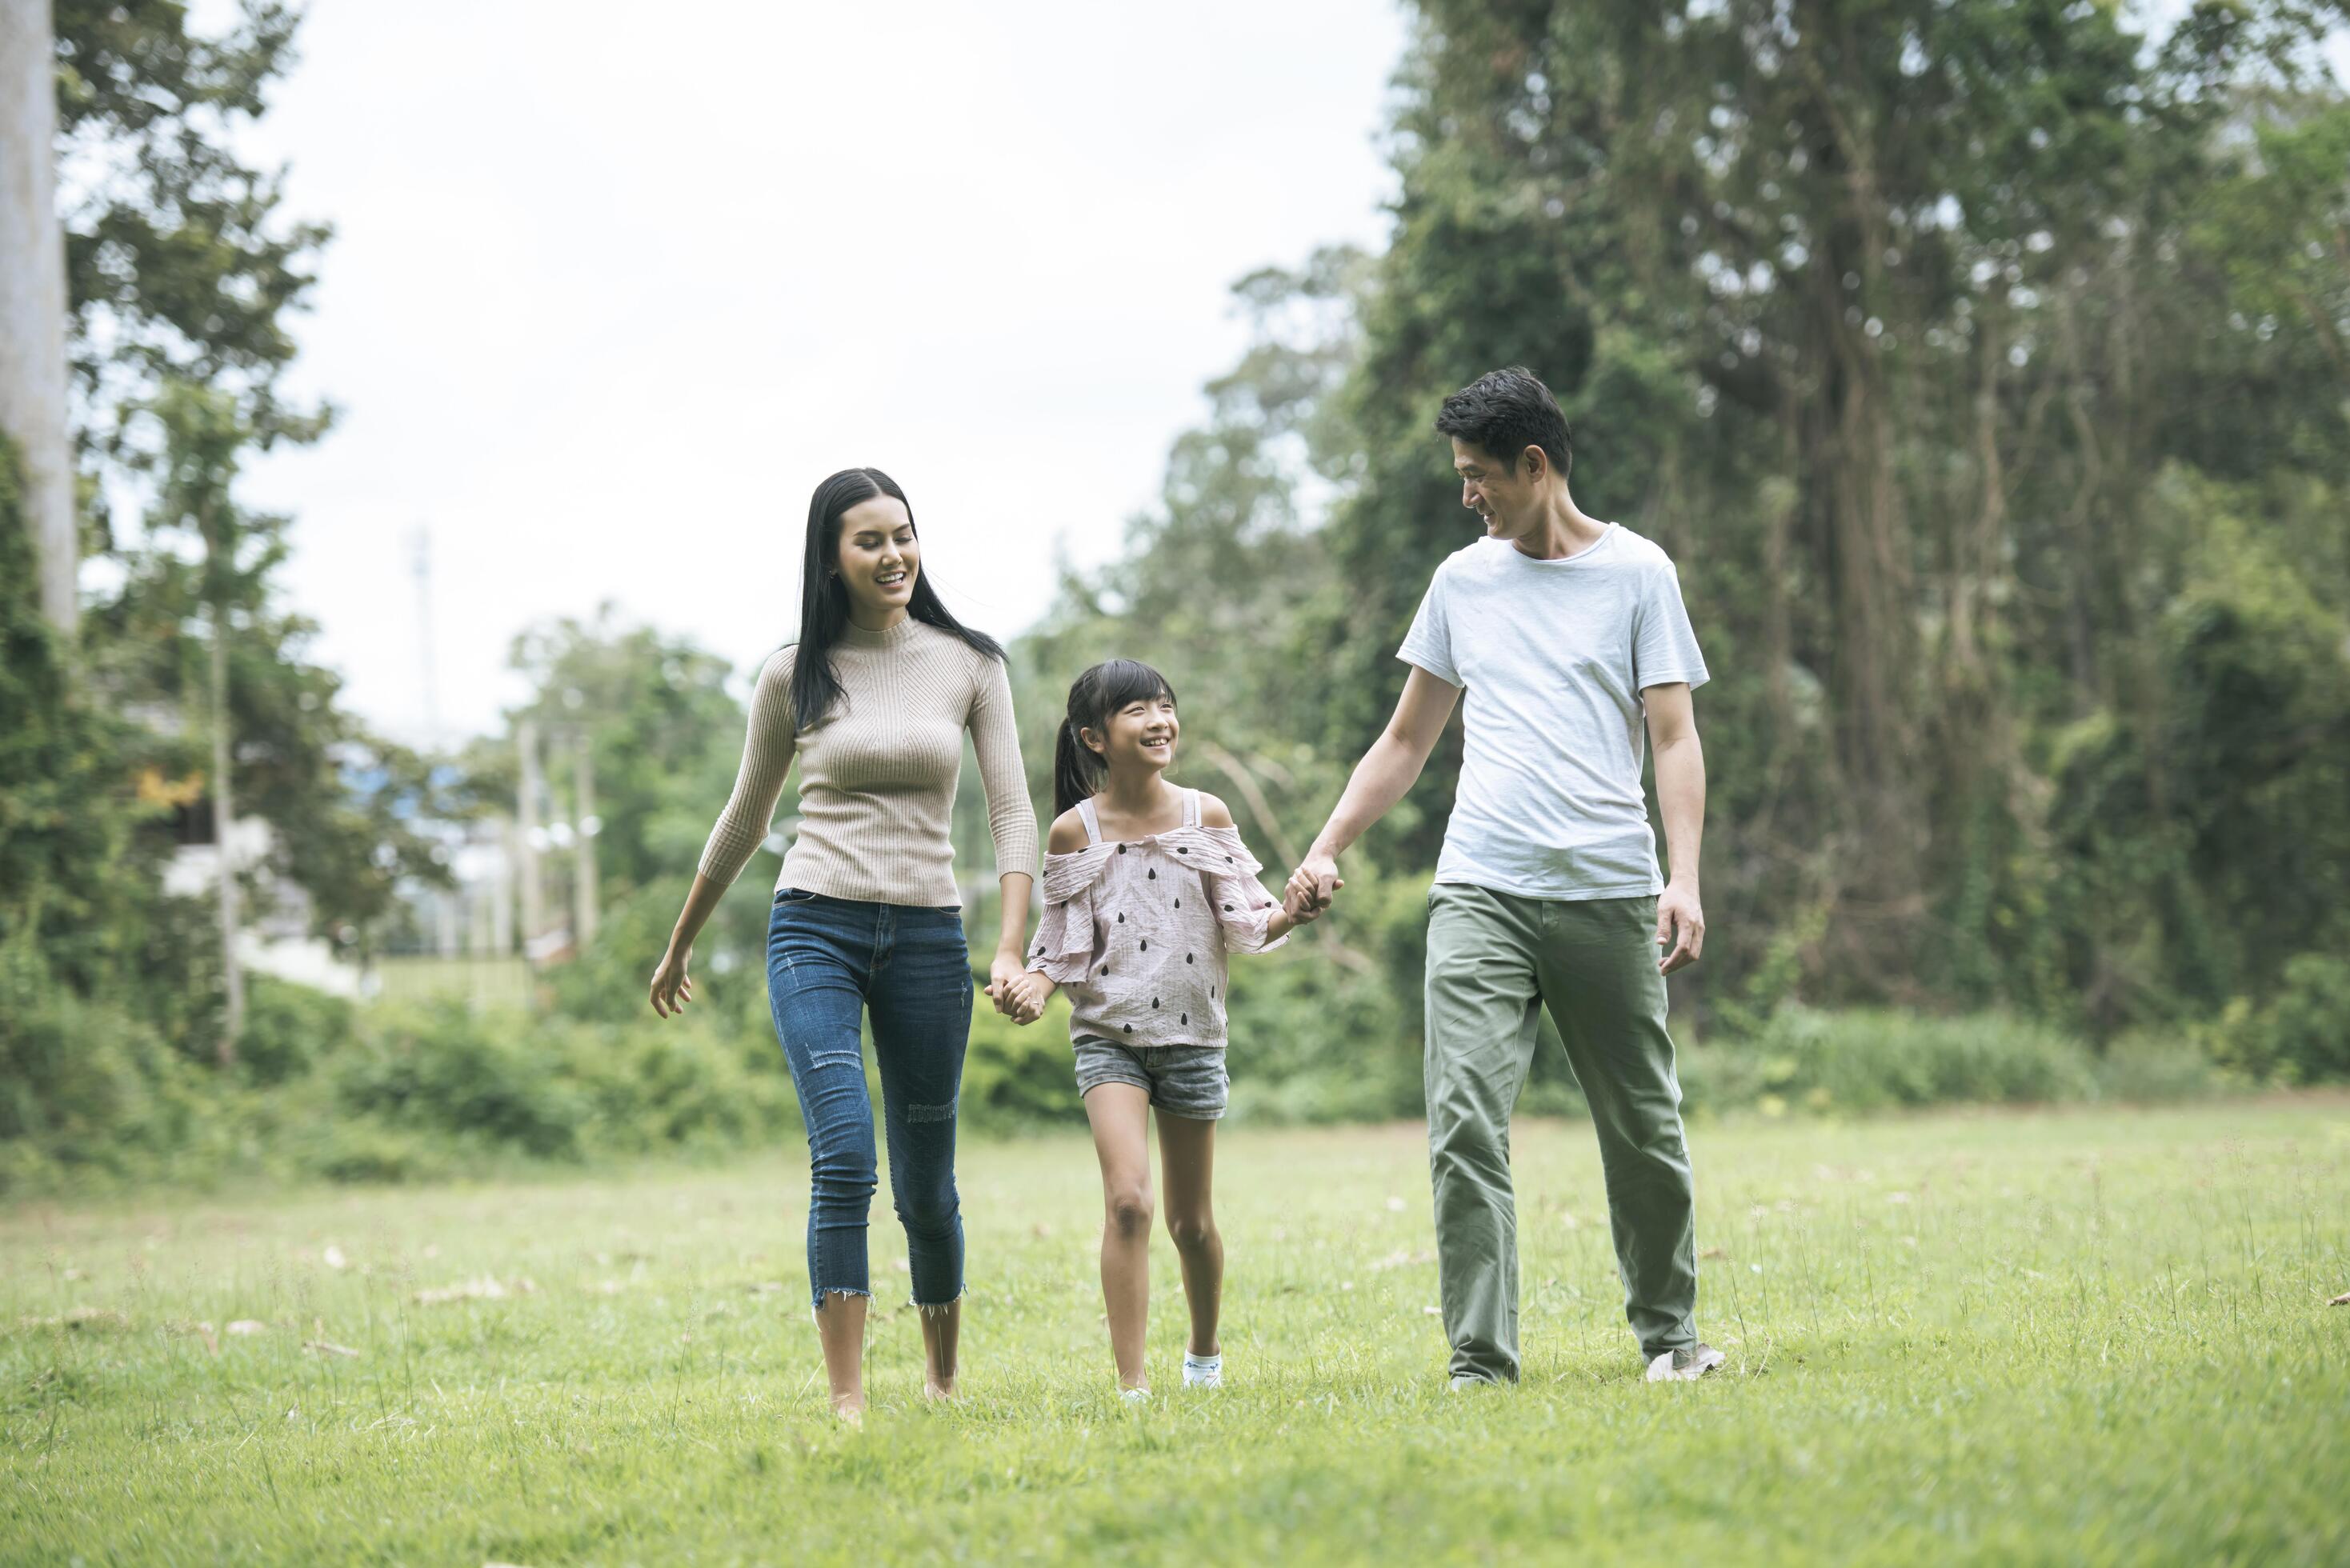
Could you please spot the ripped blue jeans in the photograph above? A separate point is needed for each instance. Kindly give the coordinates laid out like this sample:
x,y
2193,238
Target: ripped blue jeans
x,y
829,959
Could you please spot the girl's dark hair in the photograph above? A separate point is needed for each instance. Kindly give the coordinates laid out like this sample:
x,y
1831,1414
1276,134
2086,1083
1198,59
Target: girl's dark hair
x,y
824,598
1100,691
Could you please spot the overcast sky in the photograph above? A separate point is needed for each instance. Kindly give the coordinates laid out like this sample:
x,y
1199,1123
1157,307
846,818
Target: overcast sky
x,y
611,291
613,288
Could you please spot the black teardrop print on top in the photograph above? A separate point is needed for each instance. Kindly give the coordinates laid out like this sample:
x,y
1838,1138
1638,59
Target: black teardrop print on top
x,y
1212,993
1121,920
1152,874
1146,944
1121,850
1154,1002
1185,1019
1181,850
1129,1029
1187,958
1228,908
1178,903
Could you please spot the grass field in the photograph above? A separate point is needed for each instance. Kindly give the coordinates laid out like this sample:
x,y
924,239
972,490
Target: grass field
x,y
2081,1337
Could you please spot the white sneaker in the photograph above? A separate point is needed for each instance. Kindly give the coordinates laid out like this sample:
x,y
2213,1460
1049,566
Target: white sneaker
x,y
1133,1396
1203,1371
1685,1366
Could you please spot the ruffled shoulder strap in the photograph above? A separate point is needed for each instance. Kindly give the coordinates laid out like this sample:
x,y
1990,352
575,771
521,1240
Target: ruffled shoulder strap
x,y
1212,851
1068,876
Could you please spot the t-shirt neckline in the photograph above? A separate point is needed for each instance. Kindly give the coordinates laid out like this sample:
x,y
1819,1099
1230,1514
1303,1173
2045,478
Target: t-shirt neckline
x,y
1607,537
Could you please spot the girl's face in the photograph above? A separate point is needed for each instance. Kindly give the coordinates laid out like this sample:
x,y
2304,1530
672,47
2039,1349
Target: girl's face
x,y
1140,735
878,560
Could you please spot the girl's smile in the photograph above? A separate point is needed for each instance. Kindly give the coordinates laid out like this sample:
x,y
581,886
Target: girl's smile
x,y
1143,733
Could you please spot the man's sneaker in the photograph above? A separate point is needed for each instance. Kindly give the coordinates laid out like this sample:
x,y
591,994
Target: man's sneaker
x,y
1462,1382
1685,1366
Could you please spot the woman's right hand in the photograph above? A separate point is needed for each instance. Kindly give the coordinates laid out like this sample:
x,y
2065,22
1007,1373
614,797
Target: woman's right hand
x,y
672,988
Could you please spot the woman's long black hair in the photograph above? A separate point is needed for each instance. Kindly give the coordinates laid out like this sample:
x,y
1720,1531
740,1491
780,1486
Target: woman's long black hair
x,y
1100,691
824,598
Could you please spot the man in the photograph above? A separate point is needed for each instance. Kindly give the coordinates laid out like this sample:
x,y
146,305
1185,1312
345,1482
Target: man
x,y
1567,633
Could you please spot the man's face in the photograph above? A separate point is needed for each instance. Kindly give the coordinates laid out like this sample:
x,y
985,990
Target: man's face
x,y
1503,494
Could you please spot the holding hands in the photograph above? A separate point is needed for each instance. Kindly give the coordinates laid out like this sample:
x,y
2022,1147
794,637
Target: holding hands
x,y
1312,888
1020,995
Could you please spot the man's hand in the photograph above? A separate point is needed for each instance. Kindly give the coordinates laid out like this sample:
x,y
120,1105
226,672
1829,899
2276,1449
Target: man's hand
x,y
1312,887
1680,927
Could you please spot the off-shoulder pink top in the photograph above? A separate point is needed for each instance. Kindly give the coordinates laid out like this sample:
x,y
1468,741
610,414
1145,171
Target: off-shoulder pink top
x,y
1136,931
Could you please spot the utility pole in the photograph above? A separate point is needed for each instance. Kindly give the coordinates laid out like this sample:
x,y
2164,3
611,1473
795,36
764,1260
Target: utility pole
x,y
527,834
422,541
584,825
33,304
502,891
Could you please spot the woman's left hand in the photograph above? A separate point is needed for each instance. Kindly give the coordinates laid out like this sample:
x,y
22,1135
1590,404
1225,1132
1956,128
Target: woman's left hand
x,y
1001,975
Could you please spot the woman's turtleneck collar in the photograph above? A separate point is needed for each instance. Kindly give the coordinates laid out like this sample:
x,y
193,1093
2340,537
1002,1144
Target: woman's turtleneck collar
x,y
855,636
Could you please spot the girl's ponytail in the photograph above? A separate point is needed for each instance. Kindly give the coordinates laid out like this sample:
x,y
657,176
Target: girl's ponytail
x,y
1075,770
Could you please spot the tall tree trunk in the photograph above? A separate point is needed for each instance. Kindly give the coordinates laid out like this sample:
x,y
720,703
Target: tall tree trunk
x,y
224,818
33,301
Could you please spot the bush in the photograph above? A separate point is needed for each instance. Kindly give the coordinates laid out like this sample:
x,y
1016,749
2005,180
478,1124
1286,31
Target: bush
x,y
2302,1035
1014,1079
2146,1068
1865,1060
289,1029
84,1085
554,1088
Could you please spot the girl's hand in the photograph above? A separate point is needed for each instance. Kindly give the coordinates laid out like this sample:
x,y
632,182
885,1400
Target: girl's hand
x,y
1024,999
1001,975
672,988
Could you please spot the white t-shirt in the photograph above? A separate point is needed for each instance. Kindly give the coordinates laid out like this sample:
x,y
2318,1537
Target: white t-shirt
x,y
1554,656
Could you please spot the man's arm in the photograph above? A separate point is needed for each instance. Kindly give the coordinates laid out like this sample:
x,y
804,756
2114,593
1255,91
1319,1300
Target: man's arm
x,y
1380,779
1680,796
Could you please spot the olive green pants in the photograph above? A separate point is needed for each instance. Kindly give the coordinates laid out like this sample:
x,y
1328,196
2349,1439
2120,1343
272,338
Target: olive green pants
x,y
1494,959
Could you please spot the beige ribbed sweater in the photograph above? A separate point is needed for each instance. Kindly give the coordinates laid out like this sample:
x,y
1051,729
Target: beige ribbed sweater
x,y
877,778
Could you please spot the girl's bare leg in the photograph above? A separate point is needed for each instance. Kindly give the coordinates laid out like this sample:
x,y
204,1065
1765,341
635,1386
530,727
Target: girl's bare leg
x,y
1120,1114
840,1325
1187,1170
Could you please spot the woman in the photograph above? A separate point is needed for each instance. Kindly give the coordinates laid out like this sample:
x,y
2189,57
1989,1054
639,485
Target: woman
x,y
873,700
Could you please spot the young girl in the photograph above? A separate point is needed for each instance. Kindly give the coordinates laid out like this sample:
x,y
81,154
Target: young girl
x,y
1146,887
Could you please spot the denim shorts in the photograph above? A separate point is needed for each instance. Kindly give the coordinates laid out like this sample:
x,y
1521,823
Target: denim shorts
x,y
1187,1081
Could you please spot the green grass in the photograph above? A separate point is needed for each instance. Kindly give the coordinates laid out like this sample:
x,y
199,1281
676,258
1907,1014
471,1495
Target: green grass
x,y
2094,1336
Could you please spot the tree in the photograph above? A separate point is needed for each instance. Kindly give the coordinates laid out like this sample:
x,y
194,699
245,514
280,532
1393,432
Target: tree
x,y
33,305
1888,317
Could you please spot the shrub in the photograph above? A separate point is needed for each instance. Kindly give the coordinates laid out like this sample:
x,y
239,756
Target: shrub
x,y
2300,1035
289,1029
1863,1060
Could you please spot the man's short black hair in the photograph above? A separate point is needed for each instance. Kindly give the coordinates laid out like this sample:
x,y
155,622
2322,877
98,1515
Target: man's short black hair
x,y
1506,411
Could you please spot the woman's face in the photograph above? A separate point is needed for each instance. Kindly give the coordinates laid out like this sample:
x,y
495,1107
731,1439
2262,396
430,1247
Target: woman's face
x,y
879,559
1142,734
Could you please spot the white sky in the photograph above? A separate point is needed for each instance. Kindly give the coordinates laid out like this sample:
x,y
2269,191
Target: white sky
x,y
609,294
